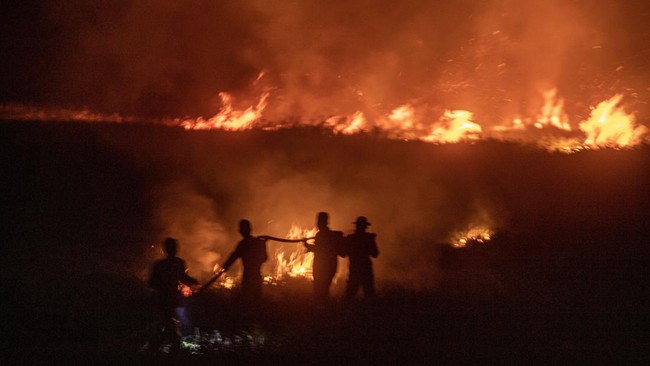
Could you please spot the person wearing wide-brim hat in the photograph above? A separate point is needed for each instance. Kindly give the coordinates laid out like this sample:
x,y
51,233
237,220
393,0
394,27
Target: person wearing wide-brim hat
x,y
361,246
362,221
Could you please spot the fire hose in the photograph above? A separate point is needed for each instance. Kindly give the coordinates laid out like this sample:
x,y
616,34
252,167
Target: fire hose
x,y
263,237
282,240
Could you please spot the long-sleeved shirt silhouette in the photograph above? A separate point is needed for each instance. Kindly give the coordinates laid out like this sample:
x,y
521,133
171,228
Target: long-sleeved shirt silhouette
x,y
326,248
361,246
165,278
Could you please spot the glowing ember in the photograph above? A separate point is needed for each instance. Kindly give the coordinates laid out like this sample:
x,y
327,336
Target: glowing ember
x,y
456,126
475,234
610,126
227,283
185,290
20,112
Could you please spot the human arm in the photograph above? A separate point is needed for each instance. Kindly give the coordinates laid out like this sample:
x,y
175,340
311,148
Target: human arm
x,y
188,280
231,259
309,247
185,278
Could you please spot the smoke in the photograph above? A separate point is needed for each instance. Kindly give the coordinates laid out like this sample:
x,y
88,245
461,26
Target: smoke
x,y
190,217
205,182
169,58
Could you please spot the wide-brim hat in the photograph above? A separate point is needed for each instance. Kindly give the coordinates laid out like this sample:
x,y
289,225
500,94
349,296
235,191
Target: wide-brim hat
x,y
362,221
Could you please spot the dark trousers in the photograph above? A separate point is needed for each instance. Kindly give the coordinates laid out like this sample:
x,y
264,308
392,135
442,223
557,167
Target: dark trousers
x,y
251,287
167,329
366,281
324,272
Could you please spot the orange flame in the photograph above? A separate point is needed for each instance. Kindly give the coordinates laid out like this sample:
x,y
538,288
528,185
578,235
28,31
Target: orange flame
x,y
475,234
299,262
517,125
225,281
401,120
229,118
20,112
552,113
403,116
184,290
610,126
456,126
349,125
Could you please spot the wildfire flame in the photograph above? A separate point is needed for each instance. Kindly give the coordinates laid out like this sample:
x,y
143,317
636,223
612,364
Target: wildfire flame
x,y
402,116
228,118
610,126
349,125
225,281
293,263
517,125
479,234
456,126
401,123
552,113
20,112
297,263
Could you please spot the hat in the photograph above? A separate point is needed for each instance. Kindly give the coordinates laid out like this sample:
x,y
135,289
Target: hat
x,y
362,221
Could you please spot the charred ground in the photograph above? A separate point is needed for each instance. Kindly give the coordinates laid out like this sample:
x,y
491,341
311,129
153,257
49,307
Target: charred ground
x,y
565,278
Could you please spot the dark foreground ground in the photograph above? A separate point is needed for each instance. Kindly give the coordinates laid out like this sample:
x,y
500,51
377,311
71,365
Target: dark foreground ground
x,y
110,327
564,282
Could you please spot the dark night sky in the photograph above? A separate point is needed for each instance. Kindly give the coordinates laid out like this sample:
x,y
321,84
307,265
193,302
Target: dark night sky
x,y
167,58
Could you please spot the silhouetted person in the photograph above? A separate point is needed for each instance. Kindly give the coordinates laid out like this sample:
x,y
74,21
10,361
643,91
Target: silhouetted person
x,y
327,246
166,278
360,246
252,251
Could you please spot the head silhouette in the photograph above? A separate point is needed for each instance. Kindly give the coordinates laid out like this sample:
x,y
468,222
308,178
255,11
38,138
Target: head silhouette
x,y
322,220
361,223
170,246
245,228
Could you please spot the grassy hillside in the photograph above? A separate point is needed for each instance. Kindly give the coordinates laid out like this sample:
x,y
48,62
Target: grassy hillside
x,y
563,279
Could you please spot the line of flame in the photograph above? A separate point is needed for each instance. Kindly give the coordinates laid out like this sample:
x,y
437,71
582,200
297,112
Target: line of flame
x,y
608,126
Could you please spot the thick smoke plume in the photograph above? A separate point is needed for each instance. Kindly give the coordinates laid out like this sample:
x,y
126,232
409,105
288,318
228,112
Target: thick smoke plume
x,y
203,183
171,58
415,194
167,58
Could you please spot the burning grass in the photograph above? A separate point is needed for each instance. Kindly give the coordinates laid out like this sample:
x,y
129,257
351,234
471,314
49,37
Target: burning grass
x,y
86,204
608,126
